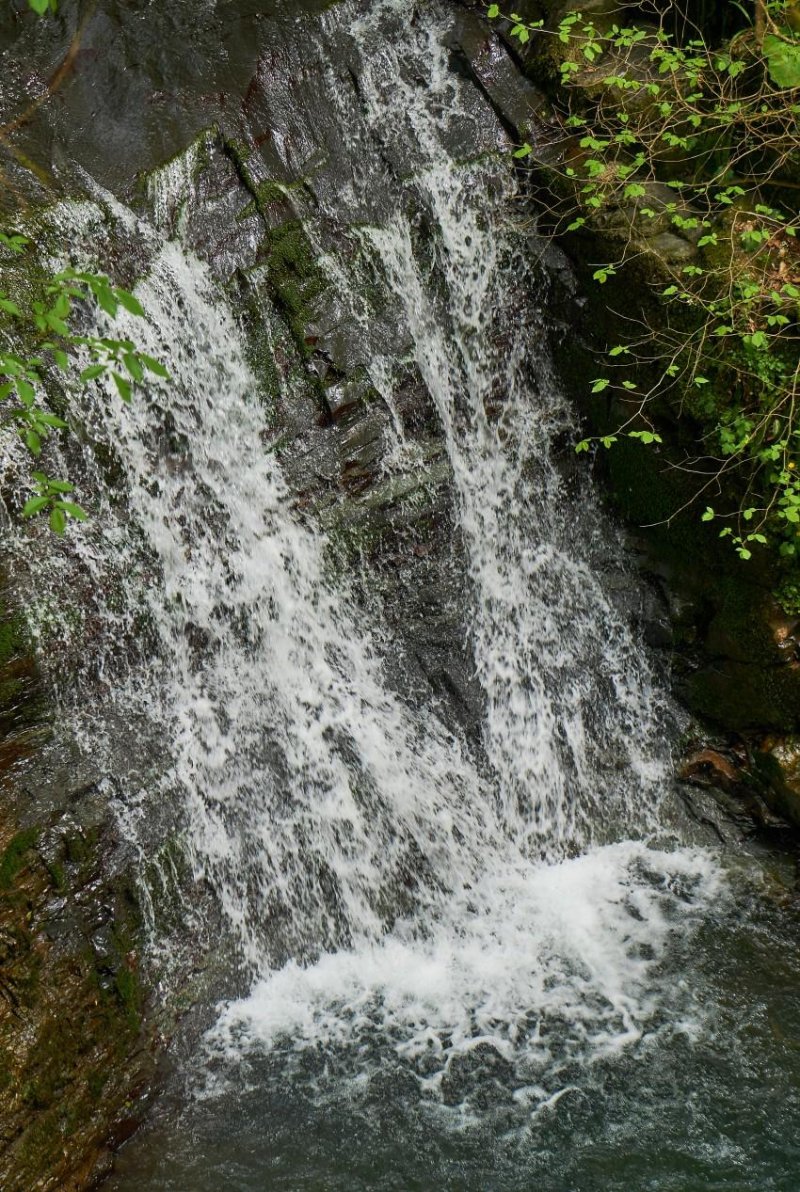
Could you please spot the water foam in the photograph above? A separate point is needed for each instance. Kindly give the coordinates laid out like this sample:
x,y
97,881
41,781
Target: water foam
x,y
577,939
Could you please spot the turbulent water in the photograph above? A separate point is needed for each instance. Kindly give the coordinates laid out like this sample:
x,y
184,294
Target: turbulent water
x,y
458,954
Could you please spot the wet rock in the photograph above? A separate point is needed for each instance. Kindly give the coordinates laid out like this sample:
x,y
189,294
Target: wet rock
x,y
780,761
669,248
516,101
222,223
711,767
74,1052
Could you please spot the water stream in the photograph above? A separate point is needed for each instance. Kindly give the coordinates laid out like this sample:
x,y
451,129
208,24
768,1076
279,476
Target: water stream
x,y
450,965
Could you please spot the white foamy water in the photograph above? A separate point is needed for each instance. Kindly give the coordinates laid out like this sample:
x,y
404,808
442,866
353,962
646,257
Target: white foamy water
x,y
548,965
552,655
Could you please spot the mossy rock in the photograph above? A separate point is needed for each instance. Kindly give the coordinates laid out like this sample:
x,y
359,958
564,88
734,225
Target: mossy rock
x,y
71,1030
778,761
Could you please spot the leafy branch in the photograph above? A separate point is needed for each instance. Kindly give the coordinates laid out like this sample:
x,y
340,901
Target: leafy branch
x,y
652,137
45,325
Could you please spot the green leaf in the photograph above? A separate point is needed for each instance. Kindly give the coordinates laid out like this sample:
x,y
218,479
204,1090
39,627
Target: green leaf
x,y
106,299
62,305
40,7
93,371
600,384
709,514
153,365
56,324
26,391
523,151
33,442
494,11
582,446
645,436
73,510
129,302
58,520
14,241
33,506
783,60
133,365
123,387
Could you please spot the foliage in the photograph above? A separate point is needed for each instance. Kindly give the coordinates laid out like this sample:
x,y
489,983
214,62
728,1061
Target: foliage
x,y
656,135
44,323
38,340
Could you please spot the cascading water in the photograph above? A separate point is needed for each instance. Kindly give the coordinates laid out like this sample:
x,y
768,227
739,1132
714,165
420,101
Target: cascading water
x,y
481,934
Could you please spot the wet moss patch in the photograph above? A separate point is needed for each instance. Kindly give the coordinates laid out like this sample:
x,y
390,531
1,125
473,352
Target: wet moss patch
x,y
15,855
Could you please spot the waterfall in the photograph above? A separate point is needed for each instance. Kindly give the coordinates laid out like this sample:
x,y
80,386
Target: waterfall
x,y
377,880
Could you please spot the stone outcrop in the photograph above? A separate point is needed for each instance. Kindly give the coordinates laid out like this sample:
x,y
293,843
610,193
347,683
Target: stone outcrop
x,y
75,1055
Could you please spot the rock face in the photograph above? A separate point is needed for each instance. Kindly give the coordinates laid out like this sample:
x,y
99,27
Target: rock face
x,y
74,1052
274,186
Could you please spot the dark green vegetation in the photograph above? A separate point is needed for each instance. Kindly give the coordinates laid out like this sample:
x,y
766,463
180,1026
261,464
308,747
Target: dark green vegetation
x,y
40,315
673,156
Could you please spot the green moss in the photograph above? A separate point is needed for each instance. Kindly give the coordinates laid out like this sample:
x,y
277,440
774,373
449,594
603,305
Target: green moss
x,y
13,637
260,348
13,859
96,1081
238,149
274,192
295,277
743,697
129,995
11,690
787,593
58,877
80,847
